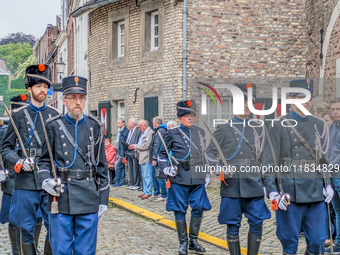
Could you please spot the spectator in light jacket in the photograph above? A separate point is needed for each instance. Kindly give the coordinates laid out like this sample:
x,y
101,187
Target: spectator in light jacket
x,y
143,148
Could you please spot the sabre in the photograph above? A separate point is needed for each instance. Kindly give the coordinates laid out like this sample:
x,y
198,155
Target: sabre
x,y
17,167
166,149
323,176
221,175
284,196
54,204
216,144
49,151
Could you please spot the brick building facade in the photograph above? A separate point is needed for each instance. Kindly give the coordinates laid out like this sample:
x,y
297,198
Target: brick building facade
x,y
324,15
248,40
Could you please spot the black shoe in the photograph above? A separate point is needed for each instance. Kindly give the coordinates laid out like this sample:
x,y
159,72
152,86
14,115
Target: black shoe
x,y
140,189
195,224
28,248
234,245
47,248
37,229
254,242
14,236
181,227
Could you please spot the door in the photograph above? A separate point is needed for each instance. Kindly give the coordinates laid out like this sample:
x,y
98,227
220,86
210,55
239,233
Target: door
x,y
150,108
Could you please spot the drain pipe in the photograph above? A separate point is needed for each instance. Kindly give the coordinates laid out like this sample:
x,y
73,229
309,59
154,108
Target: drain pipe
x,y
185,14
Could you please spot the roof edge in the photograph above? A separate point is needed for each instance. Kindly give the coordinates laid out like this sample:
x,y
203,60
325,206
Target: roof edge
x,y
85,8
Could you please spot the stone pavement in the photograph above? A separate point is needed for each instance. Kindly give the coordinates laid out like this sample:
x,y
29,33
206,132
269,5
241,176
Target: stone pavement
x,y
122,232
270,243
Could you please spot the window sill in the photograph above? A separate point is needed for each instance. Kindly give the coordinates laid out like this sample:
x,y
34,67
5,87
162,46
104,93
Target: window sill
x,y
151,55
120,61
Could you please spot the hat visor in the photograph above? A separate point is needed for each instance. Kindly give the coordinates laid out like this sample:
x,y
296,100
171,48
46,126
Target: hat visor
x,y
74,90
303,95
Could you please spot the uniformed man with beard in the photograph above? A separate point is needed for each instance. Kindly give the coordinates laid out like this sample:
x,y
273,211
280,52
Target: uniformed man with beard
x,y
7,184
77,148
187,143
299,143
242,143
27,195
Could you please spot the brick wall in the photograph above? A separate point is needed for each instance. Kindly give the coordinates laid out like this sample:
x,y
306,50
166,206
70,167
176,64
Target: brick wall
x,y
319,16
158,77
70,46
246,40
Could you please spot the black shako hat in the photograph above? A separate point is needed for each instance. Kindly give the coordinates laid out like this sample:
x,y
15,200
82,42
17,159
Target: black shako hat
x,y
185,107
244,87
20,100
74,84
302,83
36,74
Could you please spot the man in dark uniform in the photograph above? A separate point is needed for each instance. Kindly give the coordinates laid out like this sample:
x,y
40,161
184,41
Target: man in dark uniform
x,y
300,150
241,142
7,184
187,143
27,195
77,147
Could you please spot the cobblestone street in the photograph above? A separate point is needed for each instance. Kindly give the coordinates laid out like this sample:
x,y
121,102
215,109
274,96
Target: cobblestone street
x,y
270,244
122,232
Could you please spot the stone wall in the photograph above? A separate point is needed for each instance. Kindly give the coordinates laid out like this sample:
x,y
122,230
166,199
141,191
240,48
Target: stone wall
x,y
319,16
246,40
154,73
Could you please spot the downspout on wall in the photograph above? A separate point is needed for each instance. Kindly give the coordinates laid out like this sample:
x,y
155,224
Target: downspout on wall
x,y
185,14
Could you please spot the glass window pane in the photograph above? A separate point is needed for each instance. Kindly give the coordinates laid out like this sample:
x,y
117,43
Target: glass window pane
x,y
122,49
211,107
122,28
156,30
156,19
156,42
122,39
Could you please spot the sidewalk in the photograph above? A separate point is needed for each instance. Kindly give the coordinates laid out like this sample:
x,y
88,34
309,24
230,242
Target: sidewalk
x,y
270,243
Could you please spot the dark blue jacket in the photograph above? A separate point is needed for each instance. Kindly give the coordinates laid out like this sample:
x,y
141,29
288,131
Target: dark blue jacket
x,y
123,136
156,143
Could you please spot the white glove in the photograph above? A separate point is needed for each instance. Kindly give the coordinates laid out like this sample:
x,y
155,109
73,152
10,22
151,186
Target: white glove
x,y
328,193
171,171
101,211
50,186
207,180
3,175
27,163
275,195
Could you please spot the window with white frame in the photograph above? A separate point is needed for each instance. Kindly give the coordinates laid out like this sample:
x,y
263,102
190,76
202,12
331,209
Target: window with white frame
x,y
216,111
154,30
121,109
120,37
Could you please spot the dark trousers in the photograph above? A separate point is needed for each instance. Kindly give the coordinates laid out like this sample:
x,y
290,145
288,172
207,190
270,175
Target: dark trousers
x,y
254,209
24,212
134,173
73,234
112,176
311,217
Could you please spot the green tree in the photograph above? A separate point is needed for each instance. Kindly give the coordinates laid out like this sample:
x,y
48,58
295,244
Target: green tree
x,y
14,54
8,93
21,70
